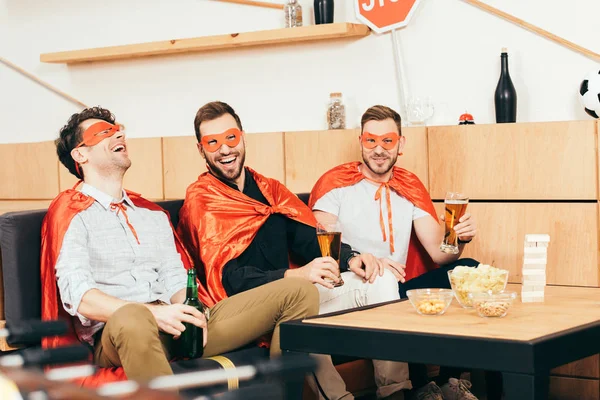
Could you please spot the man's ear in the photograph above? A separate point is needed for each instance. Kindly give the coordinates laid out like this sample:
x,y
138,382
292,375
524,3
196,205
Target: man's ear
x,y
79,156
201,150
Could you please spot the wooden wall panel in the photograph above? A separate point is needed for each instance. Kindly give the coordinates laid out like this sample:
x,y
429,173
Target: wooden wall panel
x,y
28,171
310,154
572,254
145,174
183,163
22,205
573,389
415,158
587,368
550,160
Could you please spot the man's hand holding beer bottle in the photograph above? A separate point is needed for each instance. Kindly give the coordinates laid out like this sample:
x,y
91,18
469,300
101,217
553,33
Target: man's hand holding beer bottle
x,y
186,322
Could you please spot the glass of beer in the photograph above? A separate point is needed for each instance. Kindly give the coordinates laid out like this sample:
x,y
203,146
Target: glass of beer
x,y
330,242
455,206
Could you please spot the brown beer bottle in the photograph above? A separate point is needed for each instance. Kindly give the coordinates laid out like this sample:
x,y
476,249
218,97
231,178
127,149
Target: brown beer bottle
x,y
191,342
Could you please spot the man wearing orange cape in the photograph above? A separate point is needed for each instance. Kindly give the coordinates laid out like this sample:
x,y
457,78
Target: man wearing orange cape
x,y
386,211
244,231
113,266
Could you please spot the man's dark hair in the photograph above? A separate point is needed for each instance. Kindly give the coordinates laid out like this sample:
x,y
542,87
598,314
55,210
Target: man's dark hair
x,y
70,135
214,110
380,113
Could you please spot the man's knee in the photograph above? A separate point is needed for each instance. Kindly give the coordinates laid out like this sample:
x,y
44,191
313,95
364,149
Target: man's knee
x,y
300,292
385,287
132,321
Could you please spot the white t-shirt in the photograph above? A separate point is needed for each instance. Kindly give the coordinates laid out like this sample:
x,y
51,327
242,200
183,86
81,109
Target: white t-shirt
x,y
358,216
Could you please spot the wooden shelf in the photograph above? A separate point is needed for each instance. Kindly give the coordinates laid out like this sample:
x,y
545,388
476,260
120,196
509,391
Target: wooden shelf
x,y
211,43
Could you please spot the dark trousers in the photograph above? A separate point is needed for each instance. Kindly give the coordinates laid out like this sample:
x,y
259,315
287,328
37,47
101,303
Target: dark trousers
x,y
438,278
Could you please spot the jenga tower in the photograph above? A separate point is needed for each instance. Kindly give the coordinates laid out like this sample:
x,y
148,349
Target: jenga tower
x,y
534,268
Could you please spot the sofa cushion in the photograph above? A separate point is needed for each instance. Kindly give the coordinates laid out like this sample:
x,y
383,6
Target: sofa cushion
x,y
20,240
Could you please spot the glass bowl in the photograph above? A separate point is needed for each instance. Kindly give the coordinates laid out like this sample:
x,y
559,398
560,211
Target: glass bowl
x,y
490,305
430,301
477,280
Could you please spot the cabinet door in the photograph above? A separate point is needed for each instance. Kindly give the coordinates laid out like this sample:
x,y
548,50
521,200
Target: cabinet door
x,y
28,171
573,249
535,161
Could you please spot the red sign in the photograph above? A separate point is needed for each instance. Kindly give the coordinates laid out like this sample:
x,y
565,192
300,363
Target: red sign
x,y
385,15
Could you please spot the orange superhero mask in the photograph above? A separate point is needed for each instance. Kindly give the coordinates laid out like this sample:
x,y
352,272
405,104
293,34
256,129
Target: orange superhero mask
x,y
98,132
388,141
230,137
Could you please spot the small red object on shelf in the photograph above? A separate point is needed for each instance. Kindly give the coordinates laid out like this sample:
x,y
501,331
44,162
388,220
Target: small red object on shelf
x,y
466,119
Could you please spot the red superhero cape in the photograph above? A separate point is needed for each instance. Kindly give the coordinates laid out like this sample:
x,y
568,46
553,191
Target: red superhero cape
x,y
217,223
56,222
405,184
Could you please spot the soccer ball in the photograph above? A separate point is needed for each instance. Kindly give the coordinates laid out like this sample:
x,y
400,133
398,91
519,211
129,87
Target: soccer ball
x,y
589,92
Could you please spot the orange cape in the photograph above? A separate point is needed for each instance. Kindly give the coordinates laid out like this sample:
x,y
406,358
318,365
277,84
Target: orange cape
x,y
56,222
405,184
218,223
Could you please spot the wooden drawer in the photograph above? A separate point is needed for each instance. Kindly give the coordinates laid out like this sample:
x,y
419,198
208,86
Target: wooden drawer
x,y
310,154
573,389
586,368
573,250
537,161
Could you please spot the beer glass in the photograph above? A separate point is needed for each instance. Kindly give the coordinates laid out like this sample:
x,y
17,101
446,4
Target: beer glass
x,y
455,206
330,242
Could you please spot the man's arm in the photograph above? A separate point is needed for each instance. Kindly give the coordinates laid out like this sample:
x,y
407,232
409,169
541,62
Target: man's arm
x,y
431,235
78,290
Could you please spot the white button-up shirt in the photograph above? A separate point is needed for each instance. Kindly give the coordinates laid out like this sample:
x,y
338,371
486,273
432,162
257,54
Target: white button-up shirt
x,y
100,251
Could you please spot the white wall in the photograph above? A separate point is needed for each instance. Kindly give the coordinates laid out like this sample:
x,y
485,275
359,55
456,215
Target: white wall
x,y
451,52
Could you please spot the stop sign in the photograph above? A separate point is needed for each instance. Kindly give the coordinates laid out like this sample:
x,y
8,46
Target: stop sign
x,y
385,15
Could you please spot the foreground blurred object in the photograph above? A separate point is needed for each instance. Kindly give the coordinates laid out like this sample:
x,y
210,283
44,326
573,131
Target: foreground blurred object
x,y
30,332
42,357
281,367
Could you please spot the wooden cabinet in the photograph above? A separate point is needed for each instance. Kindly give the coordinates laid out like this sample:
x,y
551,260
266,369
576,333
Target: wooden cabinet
x,y
540,161
573,250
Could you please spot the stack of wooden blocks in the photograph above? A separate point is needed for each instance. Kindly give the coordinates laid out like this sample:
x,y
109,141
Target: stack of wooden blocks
x,y
534,268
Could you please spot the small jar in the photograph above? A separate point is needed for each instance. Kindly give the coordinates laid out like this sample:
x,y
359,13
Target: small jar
x,y
336,112
293,14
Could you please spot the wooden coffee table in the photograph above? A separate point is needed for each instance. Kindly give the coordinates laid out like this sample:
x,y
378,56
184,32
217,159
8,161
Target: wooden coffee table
x,y
525,345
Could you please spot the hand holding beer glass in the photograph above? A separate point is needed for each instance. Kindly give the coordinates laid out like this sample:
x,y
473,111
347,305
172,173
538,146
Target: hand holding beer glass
x,y
330,242
455,206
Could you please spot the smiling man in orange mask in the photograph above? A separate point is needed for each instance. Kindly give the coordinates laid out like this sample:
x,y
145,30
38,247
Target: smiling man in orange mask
x,y
120,270
386,211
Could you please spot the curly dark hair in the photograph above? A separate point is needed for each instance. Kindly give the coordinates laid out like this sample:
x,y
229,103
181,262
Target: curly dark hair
x,y
70,135
214,110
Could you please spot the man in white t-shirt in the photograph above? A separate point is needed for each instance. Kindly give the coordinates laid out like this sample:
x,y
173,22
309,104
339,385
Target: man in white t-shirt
x,y
387,212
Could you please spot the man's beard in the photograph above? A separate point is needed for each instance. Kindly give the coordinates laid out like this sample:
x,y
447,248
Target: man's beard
x,y
228,176
380,170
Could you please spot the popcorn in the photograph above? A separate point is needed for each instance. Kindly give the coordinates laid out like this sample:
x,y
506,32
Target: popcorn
x,y
484,278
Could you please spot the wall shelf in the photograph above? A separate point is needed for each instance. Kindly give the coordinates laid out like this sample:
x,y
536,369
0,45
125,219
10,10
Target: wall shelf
x,y
211,43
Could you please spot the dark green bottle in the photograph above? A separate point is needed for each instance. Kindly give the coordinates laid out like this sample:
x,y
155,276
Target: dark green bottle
x,y
191,341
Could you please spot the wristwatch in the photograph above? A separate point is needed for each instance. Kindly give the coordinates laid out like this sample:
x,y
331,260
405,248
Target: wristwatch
x,y
464,241
353,254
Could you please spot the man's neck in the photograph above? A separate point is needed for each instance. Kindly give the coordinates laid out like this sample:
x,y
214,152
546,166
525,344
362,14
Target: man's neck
x,y
382,178
112,186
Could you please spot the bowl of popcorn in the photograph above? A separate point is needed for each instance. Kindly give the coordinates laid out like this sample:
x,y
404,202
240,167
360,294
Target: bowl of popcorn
x,y
490,305
482,279
430,301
